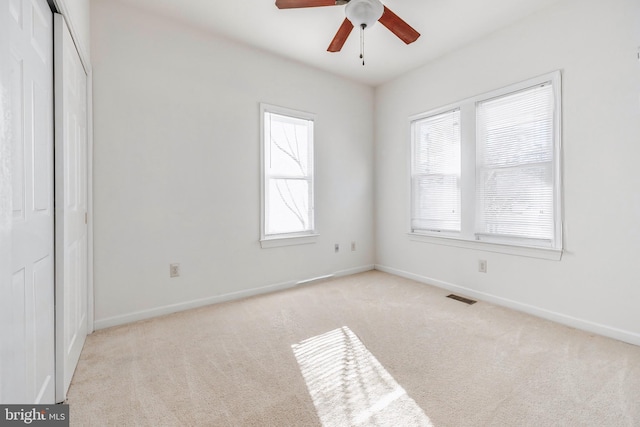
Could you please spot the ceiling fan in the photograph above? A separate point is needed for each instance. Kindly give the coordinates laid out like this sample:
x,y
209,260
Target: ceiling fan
x,y
363,13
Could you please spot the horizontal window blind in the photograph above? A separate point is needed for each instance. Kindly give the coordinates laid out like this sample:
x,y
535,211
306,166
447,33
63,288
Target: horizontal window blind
x,y
436,173
515,161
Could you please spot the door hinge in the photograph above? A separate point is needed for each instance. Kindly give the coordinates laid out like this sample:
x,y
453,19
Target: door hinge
x,y
86,217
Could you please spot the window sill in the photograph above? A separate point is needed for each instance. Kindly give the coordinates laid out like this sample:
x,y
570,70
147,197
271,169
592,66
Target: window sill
x,y
279,241
525,251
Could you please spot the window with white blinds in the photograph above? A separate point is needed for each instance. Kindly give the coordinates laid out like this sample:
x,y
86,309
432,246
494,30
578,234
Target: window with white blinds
x,y
515,151
435,177
287,184
488,168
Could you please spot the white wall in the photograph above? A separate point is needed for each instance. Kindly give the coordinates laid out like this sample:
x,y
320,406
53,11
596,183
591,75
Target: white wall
x,y
596,285
176,178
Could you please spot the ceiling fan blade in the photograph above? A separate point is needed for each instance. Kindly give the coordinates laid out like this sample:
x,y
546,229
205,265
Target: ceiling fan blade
x,y
397,26
292,4
341,36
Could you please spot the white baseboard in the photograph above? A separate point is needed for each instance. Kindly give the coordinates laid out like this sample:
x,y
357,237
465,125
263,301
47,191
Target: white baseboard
x,y
585,325
339,273
174,308
355,270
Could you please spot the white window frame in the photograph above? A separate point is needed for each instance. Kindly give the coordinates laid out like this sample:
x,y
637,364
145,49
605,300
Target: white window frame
x,y
467,237
293,238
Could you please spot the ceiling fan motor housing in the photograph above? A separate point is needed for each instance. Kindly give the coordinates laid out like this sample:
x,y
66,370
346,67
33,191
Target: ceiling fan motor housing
x,y
364,12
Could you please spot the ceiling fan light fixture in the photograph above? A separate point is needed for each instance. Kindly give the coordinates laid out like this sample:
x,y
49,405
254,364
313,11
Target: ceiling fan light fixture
x,y
364,12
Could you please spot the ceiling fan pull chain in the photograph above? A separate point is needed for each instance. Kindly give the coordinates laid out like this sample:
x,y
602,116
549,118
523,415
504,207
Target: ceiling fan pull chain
x,y
362,27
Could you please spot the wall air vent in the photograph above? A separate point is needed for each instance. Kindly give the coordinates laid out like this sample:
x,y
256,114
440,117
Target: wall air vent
x,y
462,299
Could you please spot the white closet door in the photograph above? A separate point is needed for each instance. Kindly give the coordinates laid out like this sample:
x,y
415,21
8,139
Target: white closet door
x,y
26,203
71,206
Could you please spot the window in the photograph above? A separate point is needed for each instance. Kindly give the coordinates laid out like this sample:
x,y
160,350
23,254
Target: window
x,y
287,178
515,165
487,169
436,172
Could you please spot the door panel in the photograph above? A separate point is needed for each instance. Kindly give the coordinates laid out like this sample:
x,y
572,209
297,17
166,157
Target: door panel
x,y
27,331
15,9
42,160
16,374
44,369
71,206
41,29
17,129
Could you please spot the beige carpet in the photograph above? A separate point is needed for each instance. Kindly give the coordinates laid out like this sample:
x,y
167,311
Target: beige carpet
x,y
349,387
233,364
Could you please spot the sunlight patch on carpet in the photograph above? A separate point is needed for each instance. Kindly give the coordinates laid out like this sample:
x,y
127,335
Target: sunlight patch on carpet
x,y
349,387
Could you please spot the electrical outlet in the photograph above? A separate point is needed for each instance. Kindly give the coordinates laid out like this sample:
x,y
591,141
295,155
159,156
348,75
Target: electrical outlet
x,y
337,248
353,246
482,266
174,270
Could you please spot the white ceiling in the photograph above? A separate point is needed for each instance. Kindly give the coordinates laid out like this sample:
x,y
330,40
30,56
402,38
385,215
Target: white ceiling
x,y
304,34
